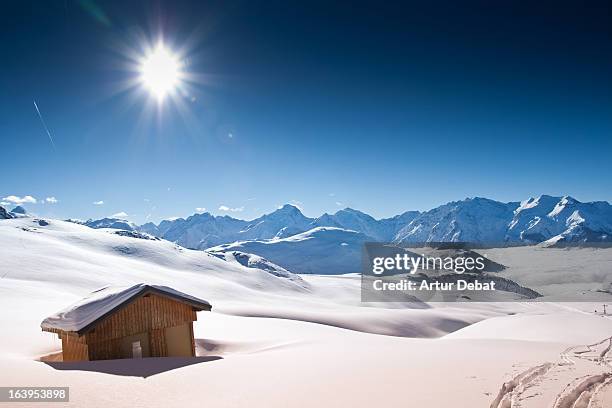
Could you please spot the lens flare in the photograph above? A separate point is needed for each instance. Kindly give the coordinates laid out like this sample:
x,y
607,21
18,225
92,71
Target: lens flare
x,y
160,72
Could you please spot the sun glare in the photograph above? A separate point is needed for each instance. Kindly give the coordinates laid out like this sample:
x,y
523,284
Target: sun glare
x,y
160,72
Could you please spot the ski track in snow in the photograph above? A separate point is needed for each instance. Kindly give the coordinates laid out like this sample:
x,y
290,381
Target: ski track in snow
x,y
515,387
583,387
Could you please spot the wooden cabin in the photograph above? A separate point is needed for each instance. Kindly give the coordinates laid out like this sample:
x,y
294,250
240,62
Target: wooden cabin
x,y
128,322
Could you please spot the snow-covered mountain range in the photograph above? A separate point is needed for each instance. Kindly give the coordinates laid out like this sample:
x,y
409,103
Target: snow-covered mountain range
x,y
476,220
332,242
201,231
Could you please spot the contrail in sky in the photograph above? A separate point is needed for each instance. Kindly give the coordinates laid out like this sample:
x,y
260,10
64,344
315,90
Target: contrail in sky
x,y
44,124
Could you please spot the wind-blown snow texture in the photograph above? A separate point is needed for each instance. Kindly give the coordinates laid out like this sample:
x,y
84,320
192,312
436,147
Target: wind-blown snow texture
x,y
46,267
295,327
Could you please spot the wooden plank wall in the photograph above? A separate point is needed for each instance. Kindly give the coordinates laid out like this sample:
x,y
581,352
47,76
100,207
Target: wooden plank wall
x,y
157,339
74,347
193,353
105,350
146,314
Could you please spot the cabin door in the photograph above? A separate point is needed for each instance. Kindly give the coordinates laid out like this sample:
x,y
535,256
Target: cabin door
x,y
136,349
135,346
178,341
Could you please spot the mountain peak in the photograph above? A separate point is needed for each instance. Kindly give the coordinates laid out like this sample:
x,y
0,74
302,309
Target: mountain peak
x,y
482,201
350,211
568,200
200,216
19,210
547,197
542,200
287,209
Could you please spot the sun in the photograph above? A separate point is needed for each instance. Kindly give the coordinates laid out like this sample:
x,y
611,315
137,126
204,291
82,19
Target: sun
x,y
160,72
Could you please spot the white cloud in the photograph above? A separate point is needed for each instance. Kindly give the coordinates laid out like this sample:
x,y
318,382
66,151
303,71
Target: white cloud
x,y
200,209
51,200
4,203
332,194
101,202
121,214
19,200
339,204
226,208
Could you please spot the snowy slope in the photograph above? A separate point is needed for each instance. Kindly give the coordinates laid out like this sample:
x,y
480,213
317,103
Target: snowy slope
x,y
50,264
321,250
256,262
47,266
93,258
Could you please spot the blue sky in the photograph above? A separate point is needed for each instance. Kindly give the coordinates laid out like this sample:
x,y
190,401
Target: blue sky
x,y
383,108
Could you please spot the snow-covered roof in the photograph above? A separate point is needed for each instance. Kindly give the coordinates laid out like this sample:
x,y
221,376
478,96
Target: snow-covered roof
x,y
84,314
